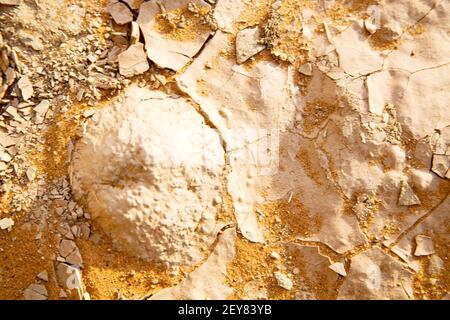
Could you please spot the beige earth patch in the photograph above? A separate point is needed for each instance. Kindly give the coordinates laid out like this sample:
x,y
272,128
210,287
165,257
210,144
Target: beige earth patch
x,y
227,149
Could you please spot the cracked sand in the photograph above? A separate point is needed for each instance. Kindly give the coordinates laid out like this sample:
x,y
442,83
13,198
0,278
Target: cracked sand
x,y
277,149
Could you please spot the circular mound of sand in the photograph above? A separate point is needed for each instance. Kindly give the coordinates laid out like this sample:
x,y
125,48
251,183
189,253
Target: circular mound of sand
x,y
148,170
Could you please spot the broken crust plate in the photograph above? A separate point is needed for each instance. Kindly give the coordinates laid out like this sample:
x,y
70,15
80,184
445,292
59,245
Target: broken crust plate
x,y
164,52
226,12
207,282
425,49
422,105
433,225
375,275
356,57
240,105
247,44
317,279
133,61
238,102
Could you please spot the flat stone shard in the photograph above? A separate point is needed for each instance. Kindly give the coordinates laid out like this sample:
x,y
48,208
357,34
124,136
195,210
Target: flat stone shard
x,y
43,276
208,281
135,33
69,278
424,246
6,223
41,109
306,69
407,196
375,275
356,56
11,2
166,212
6,141
133,61
248,44
66,247
120,13
283,280
435,226
441,165
25,87
35,292
31,40
339,268
31,173
165,51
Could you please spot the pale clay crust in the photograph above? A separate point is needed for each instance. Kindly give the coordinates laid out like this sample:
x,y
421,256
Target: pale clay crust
x,y
379,95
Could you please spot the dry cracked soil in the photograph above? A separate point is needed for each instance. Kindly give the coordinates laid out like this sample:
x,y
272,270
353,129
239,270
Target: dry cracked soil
x,y
224,149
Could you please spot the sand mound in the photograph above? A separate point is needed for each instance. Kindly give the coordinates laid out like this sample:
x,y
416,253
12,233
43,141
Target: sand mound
x,y
150,170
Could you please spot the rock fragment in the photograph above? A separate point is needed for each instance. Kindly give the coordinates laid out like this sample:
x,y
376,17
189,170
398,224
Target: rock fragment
x,y
31,173
135,33
66,247
35,292
62,294
407,196
25,87
42,108
11,2
441,165
424,246
133,61
69,250
10,76
370,25
248,44
6,223
3,88
120,13
283,280
339,268
31,40
88,113
275,255
43,275
6,141
306,69
75,258
69,278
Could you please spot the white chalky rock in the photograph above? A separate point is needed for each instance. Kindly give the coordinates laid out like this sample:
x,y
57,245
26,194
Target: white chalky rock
x,y
149,169
283,280
407,196
35,292
424,246
120,13
6,223
247,44
133,61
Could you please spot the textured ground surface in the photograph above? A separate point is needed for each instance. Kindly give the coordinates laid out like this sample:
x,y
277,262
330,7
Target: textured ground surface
x,y
317,135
